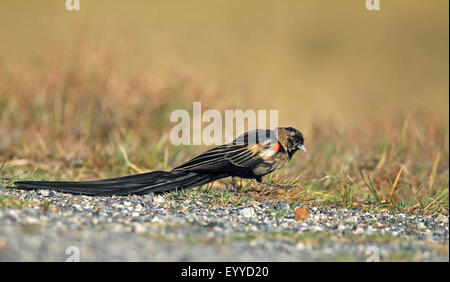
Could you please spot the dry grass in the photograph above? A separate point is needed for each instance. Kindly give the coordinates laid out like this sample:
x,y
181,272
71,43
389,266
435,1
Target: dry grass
x,y
391,163
89,96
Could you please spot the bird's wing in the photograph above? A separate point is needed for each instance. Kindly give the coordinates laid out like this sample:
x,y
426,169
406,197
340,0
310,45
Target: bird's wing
x,y
242,152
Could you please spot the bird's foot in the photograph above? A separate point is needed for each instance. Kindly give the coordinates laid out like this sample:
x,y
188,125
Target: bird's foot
x,y
233,183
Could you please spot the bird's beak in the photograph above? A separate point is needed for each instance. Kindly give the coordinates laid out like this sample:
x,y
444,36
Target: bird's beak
x,y
302,147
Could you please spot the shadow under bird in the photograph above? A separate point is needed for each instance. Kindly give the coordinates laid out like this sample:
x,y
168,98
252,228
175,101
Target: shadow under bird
x,y
251,155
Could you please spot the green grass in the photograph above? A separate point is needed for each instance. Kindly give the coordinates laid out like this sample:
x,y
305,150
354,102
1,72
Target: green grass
x,y
11,202
16,203
211,196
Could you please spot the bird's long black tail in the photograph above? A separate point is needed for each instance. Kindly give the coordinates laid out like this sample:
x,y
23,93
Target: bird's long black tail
x,y
157,182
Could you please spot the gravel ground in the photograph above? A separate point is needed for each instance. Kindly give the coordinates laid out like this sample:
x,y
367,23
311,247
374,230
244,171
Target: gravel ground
x,y
154,228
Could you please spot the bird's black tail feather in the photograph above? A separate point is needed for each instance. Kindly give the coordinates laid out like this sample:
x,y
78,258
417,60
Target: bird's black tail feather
x,y
156,182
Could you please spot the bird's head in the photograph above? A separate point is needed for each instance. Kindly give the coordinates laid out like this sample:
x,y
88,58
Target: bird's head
x,y
292,139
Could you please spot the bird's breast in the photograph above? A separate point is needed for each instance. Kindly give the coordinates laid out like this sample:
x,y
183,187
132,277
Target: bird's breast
x,y
272,161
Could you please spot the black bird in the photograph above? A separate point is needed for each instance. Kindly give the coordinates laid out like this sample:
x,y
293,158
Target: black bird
x,y
252,155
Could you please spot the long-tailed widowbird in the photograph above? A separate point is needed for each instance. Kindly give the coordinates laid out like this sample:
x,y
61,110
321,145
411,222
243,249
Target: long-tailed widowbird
x,y
252,155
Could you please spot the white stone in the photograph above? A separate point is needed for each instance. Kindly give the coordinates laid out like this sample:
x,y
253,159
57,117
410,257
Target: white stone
x,y
157,220
247,212
31,220
317,229
352,219
159,199
300,246
359,230
44,192
139,228
421,225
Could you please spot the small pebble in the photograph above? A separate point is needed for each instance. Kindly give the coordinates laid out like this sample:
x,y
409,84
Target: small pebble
x,y
248,212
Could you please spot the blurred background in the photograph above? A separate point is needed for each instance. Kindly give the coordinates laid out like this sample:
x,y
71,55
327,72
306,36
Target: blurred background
x,y
88,93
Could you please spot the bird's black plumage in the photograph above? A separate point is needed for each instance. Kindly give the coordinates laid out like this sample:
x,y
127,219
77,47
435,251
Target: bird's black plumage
x,y
252,155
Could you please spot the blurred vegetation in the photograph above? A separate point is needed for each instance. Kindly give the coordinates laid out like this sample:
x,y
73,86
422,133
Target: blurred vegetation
x,y
88,94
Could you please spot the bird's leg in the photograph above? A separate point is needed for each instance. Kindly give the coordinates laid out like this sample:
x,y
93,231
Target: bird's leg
x,y
233,182
277,185
209,185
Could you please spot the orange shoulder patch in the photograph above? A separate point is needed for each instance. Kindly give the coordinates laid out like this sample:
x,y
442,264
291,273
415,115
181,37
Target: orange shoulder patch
x,y
275,147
